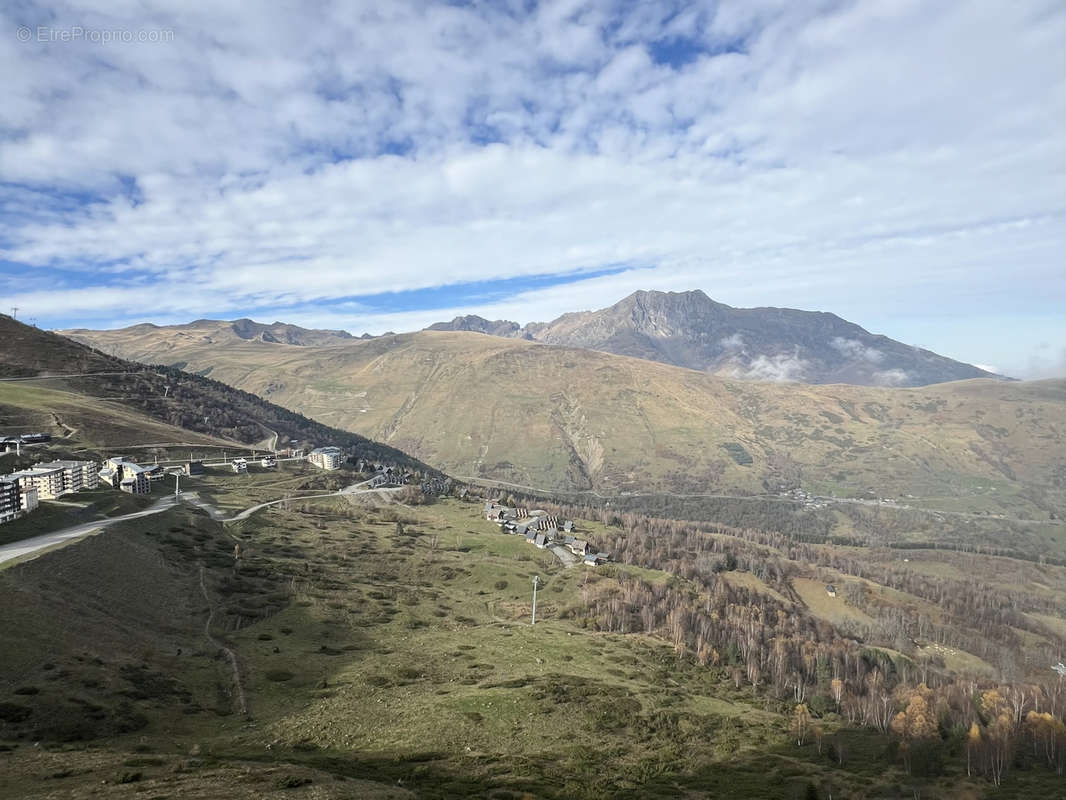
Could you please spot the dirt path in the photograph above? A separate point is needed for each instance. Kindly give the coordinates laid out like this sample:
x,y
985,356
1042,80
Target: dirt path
x,y
218,516
67,430
564,555
242,703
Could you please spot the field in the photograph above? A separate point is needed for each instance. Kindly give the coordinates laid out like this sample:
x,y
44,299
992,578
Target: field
x,y
384,651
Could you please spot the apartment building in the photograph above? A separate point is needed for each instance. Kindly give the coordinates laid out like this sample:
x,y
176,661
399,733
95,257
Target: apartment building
x,y
126,476
77,475
135,479
10,500
326,457
49,483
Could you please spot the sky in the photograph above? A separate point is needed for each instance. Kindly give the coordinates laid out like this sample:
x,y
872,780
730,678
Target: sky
x,y
384,166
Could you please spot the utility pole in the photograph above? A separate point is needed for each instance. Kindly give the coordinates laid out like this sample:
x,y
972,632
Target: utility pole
x,y
536,583
14,312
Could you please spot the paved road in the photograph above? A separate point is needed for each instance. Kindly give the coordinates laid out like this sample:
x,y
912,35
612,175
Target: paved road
x,y
27,547
76,375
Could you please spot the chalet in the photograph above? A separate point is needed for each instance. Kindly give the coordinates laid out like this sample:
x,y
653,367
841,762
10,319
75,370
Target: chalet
x,y
531,536
595,559
831,590
541,540
268,461
568,525
579,547
193,468
239,465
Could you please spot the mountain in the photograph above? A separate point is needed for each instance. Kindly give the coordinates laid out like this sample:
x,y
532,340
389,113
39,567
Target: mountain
x,y
565,418
216,331
182,400
689,329
472,322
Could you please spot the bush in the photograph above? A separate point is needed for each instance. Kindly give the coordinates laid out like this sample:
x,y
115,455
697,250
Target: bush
x,y
13,712
501,585
291,781
279,675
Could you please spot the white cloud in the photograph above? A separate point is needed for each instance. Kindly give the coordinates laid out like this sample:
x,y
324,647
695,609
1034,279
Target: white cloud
x,y
733,342
891,377
853,348
880,157
778,369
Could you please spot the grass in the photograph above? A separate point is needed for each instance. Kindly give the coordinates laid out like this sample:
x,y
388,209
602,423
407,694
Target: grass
x,y
91,505
832,609
372,656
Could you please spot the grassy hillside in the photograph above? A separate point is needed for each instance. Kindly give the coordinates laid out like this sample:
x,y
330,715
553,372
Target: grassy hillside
x,y
385,651
564,419
179,399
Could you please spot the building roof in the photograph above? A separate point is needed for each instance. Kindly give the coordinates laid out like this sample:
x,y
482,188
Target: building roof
x,y
34,471
327,451
63,464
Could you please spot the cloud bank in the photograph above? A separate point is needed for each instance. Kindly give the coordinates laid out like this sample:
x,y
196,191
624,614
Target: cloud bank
x,y
386,166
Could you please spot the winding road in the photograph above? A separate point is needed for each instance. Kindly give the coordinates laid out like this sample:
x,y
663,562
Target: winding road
x,y
46,541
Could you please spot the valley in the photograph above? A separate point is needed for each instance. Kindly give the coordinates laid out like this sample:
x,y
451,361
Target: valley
x,y
573,420
294,631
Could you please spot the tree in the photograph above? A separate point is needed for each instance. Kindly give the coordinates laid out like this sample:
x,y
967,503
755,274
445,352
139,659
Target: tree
x,y
801,724
973,746
837,687
915,726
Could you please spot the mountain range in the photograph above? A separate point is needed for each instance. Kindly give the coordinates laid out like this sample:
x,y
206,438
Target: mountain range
x,y
565,418
689,329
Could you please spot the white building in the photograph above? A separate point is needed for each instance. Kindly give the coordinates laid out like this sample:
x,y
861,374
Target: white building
x,y
49,483
135,479
77,475
239,465
125,475
326,457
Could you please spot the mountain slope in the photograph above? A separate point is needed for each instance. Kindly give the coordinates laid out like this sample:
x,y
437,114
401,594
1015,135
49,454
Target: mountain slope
x,y
565,418
689,329
191,402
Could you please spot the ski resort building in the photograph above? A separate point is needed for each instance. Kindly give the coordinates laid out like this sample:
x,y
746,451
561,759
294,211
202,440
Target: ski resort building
x,y
10,500
77,475
326,457
122,474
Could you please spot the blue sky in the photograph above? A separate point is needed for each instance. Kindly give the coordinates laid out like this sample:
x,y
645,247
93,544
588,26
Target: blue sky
x,y
381,167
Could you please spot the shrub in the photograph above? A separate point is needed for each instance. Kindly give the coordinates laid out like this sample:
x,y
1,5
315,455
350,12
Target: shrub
x,y
279,675
13,712
291,781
